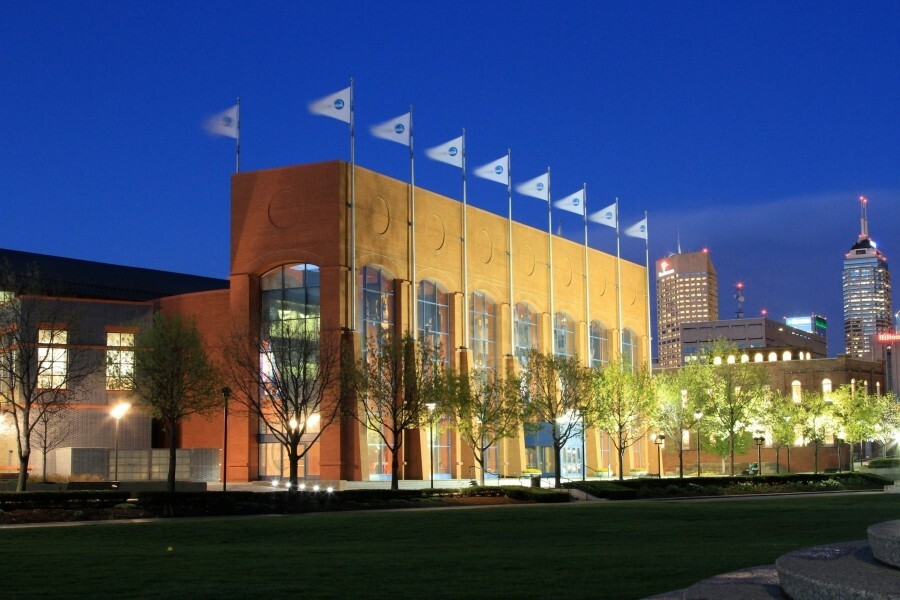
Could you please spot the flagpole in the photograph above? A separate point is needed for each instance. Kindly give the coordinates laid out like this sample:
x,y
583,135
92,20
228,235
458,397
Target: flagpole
x,y
512,301
412,229
353,276
550,258
587,280
237,142
649,331
618,281
465,250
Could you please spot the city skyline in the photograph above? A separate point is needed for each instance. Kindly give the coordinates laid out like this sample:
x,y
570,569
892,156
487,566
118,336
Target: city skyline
x,y
749,130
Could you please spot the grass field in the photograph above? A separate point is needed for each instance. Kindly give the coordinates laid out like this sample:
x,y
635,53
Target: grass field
x,y
581,550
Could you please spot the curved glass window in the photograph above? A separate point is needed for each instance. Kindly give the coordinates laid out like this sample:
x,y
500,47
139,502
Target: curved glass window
x,y
526,325
376,305
629,350
434,317
483,330
599,345
290,298
563,335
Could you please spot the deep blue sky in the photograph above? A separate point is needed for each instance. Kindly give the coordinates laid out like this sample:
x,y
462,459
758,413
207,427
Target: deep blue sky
x,y
751,127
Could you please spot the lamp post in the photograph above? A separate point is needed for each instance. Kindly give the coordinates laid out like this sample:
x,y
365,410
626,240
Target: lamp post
x,y
430,406
583,450
659,441
837,442
117,413
698,415
226,392
759,444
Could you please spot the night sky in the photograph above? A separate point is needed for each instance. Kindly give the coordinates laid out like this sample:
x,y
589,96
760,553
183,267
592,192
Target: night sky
x,y
750,128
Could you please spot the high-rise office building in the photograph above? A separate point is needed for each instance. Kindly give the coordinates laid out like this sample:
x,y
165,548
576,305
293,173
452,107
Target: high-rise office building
x,y
867,291
808,323
686,292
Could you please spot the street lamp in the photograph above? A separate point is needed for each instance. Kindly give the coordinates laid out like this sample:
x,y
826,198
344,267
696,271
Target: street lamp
x,y
698,415
226,392
660,442
759,444
837,442
117,413
430,406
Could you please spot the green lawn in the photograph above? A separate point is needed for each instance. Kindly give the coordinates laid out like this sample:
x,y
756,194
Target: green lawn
x,y
582,550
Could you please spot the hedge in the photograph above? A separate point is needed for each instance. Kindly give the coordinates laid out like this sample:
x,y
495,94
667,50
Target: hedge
x,y
72,500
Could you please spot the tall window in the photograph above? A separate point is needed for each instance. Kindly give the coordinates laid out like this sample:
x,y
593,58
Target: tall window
x,y
290,299
629,350
119,360
796,390
434,317
563,335
483,330
526,331
376,304
53,358
599,344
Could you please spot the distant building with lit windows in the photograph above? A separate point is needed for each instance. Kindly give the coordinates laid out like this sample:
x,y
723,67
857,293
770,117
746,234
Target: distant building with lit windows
x,y
883,349
686,292
763,339
809,323
868,307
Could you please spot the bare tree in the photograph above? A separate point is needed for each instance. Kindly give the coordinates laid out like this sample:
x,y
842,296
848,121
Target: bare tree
x,y
485,408
390,388
50,432
285,378
41,366
557,392
174,376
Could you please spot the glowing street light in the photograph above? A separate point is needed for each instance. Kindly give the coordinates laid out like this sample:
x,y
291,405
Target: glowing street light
x,y
660,441
117,413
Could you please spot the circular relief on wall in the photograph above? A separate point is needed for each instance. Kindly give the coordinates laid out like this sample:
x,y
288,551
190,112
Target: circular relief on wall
x,y
379,215
525,259
484,246
436,232
285,207
565,271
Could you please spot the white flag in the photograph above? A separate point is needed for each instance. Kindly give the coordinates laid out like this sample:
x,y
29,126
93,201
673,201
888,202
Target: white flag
x,y
495,171
225,123
539,187
638,230
573,203
450,153
336,106
395,130
607,216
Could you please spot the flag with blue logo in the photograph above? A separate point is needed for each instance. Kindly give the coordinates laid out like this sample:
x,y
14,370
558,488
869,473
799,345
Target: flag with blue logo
x,y
607,216
336,106
450,153
225,123
495,171
395,130
638,230
539,187
573,203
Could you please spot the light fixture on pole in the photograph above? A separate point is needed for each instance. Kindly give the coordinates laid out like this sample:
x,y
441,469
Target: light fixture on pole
x,y
660,442
226,392
760,440
431,406
837,442
117,413
698,415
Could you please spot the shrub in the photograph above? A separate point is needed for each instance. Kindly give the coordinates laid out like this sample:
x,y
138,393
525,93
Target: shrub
x,y
884,463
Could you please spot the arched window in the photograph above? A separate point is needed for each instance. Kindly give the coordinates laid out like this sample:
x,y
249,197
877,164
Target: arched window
x,y
629,350
526,331
773,356
599,344
563,335
483,330
376,304
786,355
434,318
290,298
796,390
826,389
758,357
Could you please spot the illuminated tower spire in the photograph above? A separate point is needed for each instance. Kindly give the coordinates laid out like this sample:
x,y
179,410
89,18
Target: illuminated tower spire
x,y
863,218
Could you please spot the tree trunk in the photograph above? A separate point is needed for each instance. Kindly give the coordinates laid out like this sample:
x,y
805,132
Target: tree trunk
x,y
680,462
777,461
731,450
816,458
395,464
557,451
621,451
170,480
293,462
22,482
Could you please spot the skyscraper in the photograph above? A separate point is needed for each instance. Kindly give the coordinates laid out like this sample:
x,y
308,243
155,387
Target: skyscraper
x,y
686,292
867,291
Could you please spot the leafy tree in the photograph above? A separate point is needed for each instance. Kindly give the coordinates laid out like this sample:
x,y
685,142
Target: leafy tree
x,y
390,388
887,420
557,392
485,408
778,417
174,376
676,407
624,406
41,369
856,414
815,419
284,378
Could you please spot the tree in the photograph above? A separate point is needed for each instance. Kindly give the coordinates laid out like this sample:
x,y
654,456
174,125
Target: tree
x,y
887,420
51,430
856,414
814,416
390,388
778,416
557,392
485,408
675,412
624,405
174,376
41,369
284,377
